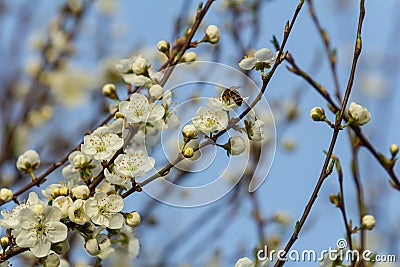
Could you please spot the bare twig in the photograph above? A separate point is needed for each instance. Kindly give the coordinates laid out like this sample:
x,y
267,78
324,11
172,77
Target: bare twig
x,y
323,175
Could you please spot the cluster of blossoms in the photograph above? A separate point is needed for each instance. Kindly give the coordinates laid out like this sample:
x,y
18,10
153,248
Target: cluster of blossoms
x,y
358,115
96,214
215,118
108,162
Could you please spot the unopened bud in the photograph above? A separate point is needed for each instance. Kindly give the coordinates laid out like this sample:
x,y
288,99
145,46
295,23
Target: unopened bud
x,y
189,57
6,194
212,34
156,91
188,153
109,90
394,149
4,241
368,222
55,192
317,114
64,191
92,247
119,115
80,192
163,46
189,132
132,219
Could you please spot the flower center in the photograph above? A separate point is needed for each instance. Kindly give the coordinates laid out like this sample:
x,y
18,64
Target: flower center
x,y
103,210
40,229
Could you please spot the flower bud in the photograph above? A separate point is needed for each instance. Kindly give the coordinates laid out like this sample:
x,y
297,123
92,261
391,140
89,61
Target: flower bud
x,y
189,57
80,192
110,90
359,115
80,160
317,114
394,149
368,222
140,65
212,34
6,194
64,191
52,260
132,219
55,192
282,218
4,241
188,153
189,132
156,91
235,146
92,247
163,46
28,161
61,247
119,115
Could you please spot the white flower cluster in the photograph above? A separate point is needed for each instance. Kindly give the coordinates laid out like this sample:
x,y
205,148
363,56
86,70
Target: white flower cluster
x,y
95,213
215,118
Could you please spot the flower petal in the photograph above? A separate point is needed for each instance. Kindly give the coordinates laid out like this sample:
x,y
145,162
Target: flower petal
x,y
264,55
57,232
248,63
41,248
116,221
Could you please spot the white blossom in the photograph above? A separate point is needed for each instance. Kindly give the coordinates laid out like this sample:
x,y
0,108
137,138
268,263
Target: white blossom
x,y
254,127
63,203
359,114
6,194
139,65
28,161
236,145
140,110
105,187
92,247
80,192
52,260
116,126
208,121
10,218
246,262
110,90
133,165
116,179
104,210
76,212
189,57
106,249
190,132
163,46
133,219
156,91
101,144
368,222
317,114
212,34
38,228
261,59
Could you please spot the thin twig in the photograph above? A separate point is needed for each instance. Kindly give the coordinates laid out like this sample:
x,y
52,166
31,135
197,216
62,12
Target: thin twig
x,y
323,175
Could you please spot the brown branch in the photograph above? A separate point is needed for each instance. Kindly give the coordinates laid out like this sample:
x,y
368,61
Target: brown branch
x,y
164,171
323,175
360,195
328,50
294,68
